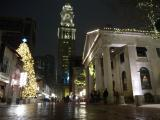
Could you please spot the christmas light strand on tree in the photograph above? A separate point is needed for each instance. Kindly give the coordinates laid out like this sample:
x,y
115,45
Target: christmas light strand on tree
x,y
81,79
30,88
151,8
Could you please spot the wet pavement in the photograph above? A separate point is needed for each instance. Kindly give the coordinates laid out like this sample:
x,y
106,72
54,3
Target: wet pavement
x,y
71,111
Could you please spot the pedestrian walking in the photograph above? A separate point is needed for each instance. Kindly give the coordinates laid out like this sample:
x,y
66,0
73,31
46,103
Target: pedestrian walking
x,y
116,97
105,95
98,96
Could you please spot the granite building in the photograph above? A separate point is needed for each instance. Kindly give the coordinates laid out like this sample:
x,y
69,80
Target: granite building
x,y
126,61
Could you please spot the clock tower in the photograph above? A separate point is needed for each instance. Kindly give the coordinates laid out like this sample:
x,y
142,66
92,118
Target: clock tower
x,y
66,46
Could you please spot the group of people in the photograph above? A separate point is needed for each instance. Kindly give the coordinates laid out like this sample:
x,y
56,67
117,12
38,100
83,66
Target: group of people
x,y
96,97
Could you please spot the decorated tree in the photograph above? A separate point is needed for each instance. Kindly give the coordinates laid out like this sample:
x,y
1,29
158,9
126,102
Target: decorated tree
x,y
29,90
80,81
151,8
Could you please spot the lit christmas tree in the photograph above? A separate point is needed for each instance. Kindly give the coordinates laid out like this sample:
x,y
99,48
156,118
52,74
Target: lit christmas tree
x,y
30,88
80,81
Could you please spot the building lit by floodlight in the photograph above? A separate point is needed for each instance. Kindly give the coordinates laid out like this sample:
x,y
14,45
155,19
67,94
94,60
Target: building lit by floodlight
x,y
126,61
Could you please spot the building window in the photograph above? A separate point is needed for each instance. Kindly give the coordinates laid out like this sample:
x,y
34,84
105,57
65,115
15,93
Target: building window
x,y
122,57
141,51
145,78
158,51
112,65
5,65
66,77
124,80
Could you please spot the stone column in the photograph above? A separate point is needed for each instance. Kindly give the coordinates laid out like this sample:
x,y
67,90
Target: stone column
x,y
98,70
135,75
154,69
87,83
72,34
90,83
118,72
108,73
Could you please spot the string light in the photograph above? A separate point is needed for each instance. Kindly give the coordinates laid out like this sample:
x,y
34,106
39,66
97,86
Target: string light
x,y
150,7
152,33
81,80
30,88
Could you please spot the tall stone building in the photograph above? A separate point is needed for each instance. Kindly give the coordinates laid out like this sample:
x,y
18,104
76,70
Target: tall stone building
x,y
45,72
66,43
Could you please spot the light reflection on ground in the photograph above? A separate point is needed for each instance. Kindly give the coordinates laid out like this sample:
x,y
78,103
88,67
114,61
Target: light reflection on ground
x,y
74,111
20,110
80,111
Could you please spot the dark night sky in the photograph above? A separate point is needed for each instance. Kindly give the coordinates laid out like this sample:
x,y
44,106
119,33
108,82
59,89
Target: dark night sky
x,y
89,15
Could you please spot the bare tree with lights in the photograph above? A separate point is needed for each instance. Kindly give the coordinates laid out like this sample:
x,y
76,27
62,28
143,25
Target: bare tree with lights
x,y
29,89
152,9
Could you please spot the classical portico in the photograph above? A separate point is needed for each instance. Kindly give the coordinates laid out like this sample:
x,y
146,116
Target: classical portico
x,y
123,61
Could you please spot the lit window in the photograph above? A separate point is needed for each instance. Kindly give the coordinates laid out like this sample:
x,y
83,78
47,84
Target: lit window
x,y
5,65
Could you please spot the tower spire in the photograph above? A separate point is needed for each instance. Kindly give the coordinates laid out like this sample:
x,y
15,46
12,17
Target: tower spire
x,y
67,15
68,1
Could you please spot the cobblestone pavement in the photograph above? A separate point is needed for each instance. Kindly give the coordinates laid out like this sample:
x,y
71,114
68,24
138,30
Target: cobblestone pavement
x,y
72,111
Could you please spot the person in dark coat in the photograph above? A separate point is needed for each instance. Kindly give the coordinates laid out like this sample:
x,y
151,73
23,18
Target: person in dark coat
x,y
105,95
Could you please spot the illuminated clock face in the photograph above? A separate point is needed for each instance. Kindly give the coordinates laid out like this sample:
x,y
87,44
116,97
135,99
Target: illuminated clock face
x,y
67,16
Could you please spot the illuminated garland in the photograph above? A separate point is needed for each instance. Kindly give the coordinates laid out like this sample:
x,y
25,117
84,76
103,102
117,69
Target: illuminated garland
x,y
80,83
30,88
152,33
